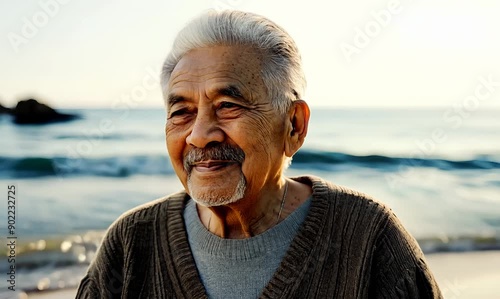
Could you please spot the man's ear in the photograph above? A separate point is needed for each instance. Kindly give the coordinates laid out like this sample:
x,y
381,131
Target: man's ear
x,y
297,124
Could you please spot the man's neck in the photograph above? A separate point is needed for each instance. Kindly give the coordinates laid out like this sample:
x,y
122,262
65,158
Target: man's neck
x,y
249,216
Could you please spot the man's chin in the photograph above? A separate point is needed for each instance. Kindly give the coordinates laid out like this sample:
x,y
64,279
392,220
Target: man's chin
x,y
215,195
210,202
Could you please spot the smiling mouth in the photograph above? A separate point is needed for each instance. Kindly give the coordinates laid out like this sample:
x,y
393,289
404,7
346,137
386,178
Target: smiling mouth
x,y
212,165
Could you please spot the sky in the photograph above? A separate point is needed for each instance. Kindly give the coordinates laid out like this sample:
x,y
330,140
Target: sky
x,y
378,53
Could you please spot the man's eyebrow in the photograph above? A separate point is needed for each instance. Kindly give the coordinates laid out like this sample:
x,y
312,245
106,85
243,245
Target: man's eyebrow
x,y
232,92
173,98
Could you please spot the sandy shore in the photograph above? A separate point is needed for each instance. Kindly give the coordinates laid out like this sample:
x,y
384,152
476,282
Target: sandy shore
x,y
62,294
467,275
460,275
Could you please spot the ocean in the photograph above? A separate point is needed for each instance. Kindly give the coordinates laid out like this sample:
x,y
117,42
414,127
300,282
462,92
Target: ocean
x,y
438,169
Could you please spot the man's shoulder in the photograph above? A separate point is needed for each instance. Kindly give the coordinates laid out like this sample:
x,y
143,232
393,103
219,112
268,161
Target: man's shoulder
x,y
339,194
347,212
342,201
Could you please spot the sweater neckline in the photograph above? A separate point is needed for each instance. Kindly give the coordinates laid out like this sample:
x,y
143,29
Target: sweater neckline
x,y
278,236
289,273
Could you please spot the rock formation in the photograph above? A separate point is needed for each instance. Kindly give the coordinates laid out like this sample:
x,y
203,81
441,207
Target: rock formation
x,y
32,112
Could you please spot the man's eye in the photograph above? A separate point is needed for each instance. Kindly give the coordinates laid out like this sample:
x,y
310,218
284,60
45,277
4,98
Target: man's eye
x,y
178,112
228,105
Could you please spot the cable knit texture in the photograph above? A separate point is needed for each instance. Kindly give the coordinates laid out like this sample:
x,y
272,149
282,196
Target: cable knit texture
x,y
349,246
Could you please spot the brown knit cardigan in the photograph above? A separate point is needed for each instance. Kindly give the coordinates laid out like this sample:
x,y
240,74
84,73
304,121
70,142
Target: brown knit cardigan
x,y
349,246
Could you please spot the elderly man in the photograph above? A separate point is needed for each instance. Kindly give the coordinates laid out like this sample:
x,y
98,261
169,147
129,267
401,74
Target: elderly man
x,y
233,87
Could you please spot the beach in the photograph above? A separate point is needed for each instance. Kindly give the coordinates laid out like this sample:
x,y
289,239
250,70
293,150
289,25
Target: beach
x,y
459,274
62,294
72,181
467,274
398,111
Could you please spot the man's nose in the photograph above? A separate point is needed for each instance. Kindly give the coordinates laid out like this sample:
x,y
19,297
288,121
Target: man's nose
x,y
205,130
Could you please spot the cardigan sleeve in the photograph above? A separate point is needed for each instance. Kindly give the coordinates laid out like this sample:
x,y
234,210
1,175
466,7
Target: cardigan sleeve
x,y
399,269
104,278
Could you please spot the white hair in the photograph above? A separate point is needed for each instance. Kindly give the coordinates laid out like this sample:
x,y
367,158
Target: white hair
x,y
282,68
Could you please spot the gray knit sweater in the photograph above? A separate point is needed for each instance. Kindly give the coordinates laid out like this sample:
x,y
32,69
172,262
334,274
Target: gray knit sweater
x,y
349,246
239,268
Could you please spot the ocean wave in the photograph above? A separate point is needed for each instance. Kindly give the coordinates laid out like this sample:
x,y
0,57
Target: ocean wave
x,y
55,263
117,136
32,167
17,167
380,161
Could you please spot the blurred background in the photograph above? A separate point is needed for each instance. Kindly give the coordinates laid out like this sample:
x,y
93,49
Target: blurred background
x,y
405,100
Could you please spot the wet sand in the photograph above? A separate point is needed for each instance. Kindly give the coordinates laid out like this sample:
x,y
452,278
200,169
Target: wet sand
x,y
460,275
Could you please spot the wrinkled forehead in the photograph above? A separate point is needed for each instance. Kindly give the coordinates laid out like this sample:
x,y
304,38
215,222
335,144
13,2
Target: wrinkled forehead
x,y
233,65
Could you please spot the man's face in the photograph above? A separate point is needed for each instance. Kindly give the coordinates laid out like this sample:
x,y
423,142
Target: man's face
x,y
224,138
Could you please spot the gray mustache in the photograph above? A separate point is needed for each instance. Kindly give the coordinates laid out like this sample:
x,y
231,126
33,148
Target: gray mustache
x,y
220,152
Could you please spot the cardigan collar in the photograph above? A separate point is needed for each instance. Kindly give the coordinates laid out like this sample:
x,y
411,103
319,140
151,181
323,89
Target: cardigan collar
x,y
185,275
